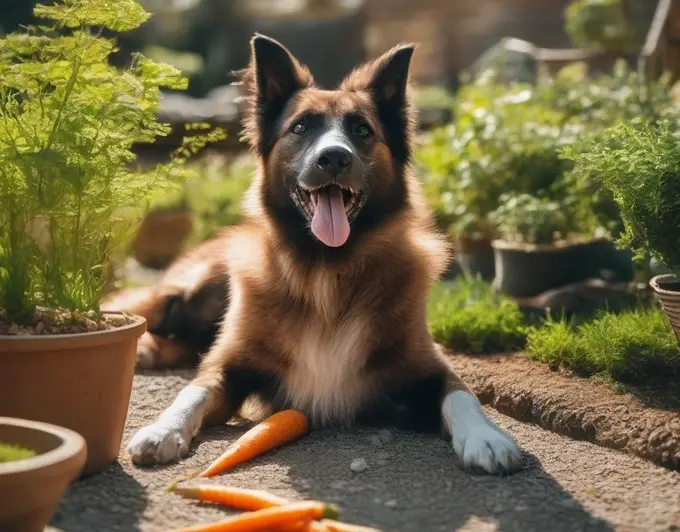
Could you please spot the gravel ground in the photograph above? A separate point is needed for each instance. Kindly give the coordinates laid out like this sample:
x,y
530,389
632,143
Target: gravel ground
x,y
411,482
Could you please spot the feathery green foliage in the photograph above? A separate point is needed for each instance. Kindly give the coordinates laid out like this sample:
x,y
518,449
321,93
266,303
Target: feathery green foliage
x,y
69,191
640,164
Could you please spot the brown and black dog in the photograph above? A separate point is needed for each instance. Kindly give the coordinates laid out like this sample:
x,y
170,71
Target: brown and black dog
x,y
326,279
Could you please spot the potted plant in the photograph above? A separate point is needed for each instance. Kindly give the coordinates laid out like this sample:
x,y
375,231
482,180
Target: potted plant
x,y
639,164
38,461
601,25
70,196
542,246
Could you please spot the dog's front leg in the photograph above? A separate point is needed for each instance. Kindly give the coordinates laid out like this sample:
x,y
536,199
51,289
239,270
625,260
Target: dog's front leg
x,y
216,394
168,438
479,443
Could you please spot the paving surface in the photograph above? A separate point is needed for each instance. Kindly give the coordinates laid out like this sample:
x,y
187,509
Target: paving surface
x,y
412,482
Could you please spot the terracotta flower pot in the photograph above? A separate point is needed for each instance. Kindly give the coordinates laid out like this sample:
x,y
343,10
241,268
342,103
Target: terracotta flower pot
x,y
79,381
667,290
30,489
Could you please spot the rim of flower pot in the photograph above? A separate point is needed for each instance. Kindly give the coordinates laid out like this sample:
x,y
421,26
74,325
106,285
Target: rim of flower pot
x,y
55,342
559,245
71,445
654,283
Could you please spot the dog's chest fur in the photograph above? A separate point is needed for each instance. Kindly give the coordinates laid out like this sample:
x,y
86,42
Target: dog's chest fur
x,y
327,350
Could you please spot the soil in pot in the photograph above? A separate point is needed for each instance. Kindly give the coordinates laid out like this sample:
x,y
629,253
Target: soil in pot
x,y
80,380
476,257
667,290
528,271
30,488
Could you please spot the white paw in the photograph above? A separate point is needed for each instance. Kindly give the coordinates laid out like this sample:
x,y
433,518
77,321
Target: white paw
x,y
487,447
158,444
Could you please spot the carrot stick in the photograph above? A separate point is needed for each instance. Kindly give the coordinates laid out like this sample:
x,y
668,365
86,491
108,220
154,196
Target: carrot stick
x,y
275,518
279,429
236,498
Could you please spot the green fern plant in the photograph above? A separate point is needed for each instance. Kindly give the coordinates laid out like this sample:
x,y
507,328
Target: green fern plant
x,y
639,164
70,193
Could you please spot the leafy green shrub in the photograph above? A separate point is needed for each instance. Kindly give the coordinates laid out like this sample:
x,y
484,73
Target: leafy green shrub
x,y
639,164
468,317
631,347
215,196
600,24
68,120
522,218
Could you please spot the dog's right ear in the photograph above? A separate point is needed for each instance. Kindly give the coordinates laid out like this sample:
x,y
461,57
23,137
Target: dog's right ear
x,y
271,79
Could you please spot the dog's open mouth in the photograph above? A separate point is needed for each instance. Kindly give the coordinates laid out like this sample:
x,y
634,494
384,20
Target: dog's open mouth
x,y
330,209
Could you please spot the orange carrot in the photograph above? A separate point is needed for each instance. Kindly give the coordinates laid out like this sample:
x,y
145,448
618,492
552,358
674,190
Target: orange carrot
x,y
236,498
275,518
279,429
337,526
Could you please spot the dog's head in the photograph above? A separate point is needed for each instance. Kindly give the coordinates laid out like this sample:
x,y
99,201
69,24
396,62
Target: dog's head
x,y
332,161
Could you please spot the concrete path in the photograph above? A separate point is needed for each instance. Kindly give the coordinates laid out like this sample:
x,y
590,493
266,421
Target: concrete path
x,y
412,483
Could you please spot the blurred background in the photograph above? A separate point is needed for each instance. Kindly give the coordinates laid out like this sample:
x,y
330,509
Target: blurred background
x,y
566,65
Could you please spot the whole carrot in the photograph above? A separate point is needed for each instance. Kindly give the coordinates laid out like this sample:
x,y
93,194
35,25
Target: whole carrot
x,y
236,498
279,429
275,518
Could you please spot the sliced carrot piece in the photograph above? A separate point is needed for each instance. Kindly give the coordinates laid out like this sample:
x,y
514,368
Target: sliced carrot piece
x,y
276,518
279,429
236,498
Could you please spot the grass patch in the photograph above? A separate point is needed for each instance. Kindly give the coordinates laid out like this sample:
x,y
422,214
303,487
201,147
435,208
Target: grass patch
x,y
467,316
630,347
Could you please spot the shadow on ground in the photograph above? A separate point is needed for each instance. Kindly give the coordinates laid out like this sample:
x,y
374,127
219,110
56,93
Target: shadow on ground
x,y
112,500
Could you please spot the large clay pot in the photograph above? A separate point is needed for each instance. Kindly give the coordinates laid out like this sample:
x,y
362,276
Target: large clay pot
x,y
78,381
667,290
30,489
527,271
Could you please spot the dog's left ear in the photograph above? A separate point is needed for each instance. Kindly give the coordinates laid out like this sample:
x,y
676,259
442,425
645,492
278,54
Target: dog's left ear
x,y
386,80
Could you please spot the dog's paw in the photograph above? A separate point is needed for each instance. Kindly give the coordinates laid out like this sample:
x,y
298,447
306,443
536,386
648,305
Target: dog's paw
x,y
486,447
158,444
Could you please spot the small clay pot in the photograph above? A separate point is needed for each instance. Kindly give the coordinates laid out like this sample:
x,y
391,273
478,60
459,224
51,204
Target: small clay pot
x,y
161,236
30,489
528,271
475,257
79,381
667,290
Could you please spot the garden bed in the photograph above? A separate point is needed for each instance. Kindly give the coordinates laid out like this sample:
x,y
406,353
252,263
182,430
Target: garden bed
x,y
581,408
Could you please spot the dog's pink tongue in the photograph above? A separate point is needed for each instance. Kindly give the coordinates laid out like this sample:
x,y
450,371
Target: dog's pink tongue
x,y
330,224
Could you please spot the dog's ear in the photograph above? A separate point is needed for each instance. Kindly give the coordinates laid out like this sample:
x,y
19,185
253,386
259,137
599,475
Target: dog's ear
x,y
271,79
386,79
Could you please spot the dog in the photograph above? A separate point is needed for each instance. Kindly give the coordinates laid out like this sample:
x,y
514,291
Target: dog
x,y
317,300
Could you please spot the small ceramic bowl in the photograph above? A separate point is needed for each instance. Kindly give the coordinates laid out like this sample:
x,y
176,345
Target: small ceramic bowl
x,y
30,489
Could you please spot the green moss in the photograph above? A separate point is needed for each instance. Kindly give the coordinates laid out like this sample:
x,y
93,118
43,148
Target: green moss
x,y
632,347
11,453
467,316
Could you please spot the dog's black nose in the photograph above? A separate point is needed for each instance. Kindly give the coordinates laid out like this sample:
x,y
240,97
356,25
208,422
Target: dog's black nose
x,y
335,160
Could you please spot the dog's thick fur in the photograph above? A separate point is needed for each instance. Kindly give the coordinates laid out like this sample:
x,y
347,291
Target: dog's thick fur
x,y
337,332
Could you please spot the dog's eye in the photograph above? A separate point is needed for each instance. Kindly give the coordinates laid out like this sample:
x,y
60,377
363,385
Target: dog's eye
x,y
299,128
362,131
